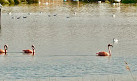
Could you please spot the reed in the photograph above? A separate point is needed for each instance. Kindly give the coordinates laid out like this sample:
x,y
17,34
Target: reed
x,y
128,68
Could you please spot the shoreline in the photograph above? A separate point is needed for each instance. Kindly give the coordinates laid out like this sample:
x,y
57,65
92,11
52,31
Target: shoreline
x,y
86,78
16,2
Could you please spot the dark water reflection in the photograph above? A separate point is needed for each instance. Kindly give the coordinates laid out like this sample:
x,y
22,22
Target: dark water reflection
x,y
67,37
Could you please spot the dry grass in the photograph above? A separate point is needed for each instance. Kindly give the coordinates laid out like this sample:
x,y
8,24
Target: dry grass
x,y
128,68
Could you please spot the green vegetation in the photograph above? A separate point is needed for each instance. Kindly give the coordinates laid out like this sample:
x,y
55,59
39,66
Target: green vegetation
x,y
11,2
36,1
129,1
17,1
122,1
4,1
32,1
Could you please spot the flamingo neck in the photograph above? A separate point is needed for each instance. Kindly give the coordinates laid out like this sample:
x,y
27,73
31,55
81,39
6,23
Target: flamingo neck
x,y
109,51
5,51
5,48
33,51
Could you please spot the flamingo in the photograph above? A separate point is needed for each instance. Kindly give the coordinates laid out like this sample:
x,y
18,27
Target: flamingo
x,y
5,49
105,53
30,51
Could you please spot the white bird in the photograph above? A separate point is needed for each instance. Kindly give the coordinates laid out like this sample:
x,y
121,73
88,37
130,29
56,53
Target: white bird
x,y
75,13
99,2
117,1
39,2
115,40
1,6
55,15
13,17
29,13
46,3
9,13
18,17
24,16
114,4
114,15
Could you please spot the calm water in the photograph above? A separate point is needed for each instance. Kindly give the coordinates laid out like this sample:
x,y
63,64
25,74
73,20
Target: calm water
x,y
67,36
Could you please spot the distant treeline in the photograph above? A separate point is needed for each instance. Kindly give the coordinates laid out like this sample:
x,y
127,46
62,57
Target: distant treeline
x,y
17,1
36,1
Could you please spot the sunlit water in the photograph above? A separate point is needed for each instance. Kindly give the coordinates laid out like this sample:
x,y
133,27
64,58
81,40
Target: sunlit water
x,y
67,36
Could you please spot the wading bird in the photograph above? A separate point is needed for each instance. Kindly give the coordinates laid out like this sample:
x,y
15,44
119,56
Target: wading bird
x,y
30,51
5,49
105,53
115,40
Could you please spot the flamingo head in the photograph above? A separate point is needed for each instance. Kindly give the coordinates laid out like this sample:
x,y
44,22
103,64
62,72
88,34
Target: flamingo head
x,y
33,47
6,47
110,45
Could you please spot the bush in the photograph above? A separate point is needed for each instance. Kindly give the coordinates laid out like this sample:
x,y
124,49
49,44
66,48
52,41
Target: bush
x,y
32,1
11,2
4,1
17,1
23,0
129,1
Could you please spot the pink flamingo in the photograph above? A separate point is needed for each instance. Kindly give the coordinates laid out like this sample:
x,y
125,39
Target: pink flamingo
x,y
5,49
105,53
30,51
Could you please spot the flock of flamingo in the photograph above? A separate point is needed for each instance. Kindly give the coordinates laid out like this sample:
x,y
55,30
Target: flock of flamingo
x,y
27,51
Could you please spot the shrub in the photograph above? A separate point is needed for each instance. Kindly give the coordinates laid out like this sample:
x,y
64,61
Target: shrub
x,y
11,2
17,1
4,1
129,1
32,1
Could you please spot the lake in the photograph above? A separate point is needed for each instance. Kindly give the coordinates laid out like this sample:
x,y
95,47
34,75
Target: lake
x,y
67,36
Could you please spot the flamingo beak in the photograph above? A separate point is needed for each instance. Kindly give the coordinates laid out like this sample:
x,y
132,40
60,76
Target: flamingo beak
x,y
110,45
33,47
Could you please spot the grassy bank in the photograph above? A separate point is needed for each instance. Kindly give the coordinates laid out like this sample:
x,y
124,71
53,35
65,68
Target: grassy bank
x,y
36,1
17,1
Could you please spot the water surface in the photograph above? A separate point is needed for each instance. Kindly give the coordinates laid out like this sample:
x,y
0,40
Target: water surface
x,y
67,36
